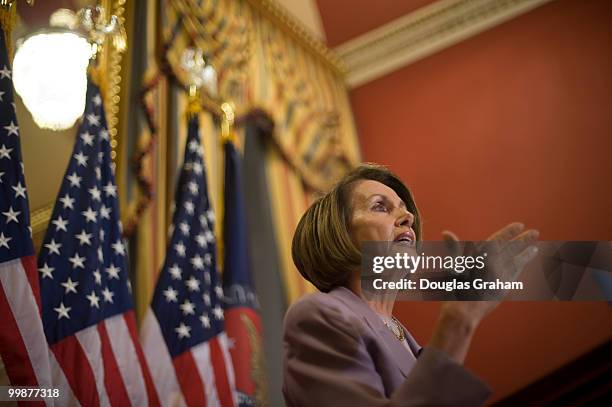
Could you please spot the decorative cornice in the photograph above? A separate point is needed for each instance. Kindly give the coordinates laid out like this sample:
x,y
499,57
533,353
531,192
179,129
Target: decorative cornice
x,y
296,29
422,33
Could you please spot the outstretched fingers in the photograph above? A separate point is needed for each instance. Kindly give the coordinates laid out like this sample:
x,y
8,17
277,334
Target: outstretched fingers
x,y
524,257
508,232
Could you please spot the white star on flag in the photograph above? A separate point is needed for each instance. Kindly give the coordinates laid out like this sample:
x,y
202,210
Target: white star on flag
x,y
208,259
93,299
93,119
46,271
205,321
108,295
67,201
104,213
118,248
11,215
170,294
81,159
209,236
5,152
184,227
197,168
176,272
77,261
218,312
12,129
60,224
187,307
95,193
194,146
70,286
197,262
62,311
110,190
201,239
193,187
113,272
53,247
189,207
20,191
4,240
193,284
5,72
183,331
180,249
74,180
97,276
84,238
90,215
87,138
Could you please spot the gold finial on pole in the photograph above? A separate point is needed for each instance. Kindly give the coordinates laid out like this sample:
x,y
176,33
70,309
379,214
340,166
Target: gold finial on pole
x,y
227,123
194,105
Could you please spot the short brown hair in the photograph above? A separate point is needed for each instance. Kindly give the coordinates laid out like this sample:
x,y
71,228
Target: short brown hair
x,y
322,249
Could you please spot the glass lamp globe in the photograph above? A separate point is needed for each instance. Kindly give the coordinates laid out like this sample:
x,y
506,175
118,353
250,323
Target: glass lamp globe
x,y
50,75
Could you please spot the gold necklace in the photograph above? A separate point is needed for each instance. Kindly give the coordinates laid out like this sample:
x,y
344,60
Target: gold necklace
x,y
395,328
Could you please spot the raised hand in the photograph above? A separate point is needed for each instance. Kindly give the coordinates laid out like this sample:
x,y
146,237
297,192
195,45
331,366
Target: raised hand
x,y
508,251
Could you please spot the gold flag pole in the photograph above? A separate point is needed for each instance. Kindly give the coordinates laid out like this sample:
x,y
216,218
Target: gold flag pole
x,y
8,15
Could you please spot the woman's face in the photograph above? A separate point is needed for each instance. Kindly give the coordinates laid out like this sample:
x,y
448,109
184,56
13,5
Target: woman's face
x,y
378,214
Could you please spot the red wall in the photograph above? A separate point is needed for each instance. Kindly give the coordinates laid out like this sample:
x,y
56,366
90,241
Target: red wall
x,y
513,124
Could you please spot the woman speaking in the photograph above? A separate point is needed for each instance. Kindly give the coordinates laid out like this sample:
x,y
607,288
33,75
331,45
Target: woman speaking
x,y
342,349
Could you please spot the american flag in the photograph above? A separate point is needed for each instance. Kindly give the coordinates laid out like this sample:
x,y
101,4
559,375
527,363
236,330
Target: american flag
x,y
87,307
240,301
183,332
24,355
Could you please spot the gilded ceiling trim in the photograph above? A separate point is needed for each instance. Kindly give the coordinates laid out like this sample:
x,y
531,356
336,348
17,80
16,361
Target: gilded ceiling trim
x,y
298,31
423,32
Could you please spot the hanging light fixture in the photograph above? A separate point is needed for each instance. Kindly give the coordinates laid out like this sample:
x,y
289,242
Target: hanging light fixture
x,y
50,75
50,65
199,73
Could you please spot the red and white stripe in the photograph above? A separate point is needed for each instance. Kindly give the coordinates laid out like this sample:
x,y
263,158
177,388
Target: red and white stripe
x,y
101,371
23,346
203,376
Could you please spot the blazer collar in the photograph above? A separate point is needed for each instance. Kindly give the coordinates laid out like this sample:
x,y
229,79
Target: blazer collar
x,y
402,357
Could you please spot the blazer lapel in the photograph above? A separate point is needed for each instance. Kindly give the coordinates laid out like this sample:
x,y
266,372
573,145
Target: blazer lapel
x,y
403,358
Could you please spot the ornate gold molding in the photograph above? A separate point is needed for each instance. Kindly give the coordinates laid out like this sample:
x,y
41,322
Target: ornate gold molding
x,y
423,32
290,25
39,220
111,63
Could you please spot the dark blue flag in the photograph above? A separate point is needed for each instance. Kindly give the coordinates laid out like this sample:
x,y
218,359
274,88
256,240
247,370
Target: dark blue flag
x,y
243,322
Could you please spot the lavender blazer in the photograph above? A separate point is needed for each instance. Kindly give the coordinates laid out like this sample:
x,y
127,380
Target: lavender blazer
x,y
338,352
